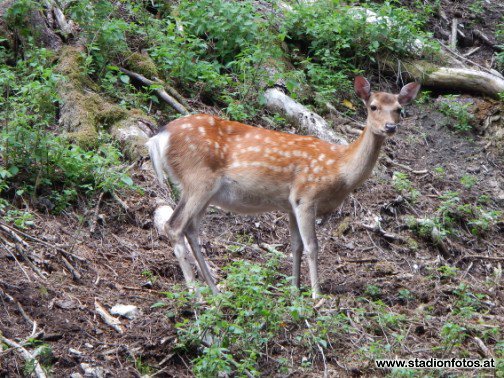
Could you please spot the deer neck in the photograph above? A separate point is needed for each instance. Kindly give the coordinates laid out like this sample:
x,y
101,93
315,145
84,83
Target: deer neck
x,y
361,158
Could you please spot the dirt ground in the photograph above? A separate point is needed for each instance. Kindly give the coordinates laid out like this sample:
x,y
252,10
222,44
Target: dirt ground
x,y
113,260
110,253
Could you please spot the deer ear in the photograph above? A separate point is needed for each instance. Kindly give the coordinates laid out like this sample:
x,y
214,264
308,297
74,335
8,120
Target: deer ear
x,y
408,93
362,87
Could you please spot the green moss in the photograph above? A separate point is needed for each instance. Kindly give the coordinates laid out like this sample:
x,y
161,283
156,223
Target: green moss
x,y
343,227
420,68
142,64
84,112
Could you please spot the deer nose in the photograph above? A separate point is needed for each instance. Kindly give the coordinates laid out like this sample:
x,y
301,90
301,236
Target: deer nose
x,y
390,127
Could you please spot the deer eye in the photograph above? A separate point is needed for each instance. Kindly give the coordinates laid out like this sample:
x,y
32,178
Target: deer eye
x,y
399,110
374,108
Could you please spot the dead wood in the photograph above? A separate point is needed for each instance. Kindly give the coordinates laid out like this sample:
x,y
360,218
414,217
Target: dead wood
x,y
158,89
107,318
300,116
450,78
27,356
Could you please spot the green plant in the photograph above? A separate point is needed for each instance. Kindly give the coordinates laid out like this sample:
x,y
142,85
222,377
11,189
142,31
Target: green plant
x,y
447,271
236,325
476,7
338,39
21,219
468,181
457,108
452,335
403,185
373,291
439,171
34,160
424,97
405,295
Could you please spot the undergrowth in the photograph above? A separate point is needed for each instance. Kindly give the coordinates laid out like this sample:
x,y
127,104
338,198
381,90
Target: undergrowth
x,y
232,330
37,163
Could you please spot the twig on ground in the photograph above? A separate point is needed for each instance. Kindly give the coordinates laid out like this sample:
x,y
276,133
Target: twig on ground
x,y
158,89
76,275
57,248
482,257
409,169
107,318
96,214
485,351
326,372
28,357
453,35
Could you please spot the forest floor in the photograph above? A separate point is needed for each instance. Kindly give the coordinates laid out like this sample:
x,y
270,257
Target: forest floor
x,y
117,257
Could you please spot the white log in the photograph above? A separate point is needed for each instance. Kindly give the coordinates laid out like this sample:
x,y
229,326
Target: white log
x,y
300,116
467,79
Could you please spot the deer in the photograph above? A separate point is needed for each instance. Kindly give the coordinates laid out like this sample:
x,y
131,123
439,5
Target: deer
x,y
250,170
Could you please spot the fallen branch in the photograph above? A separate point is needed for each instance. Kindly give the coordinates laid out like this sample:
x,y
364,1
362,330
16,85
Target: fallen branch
x,y
453,35
158,89
107,318
66,27
409,169
483,81
380,231
300,116
483,38
27,356
95,214
476,257
75,274
485,351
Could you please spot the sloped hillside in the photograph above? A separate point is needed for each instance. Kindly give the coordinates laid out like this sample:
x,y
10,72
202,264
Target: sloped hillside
x,y
410,265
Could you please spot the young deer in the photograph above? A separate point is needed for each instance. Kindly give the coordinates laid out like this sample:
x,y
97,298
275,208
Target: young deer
x,y
247,169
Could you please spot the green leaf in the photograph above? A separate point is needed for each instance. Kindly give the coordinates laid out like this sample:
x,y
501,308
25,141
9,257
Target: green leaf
x,y
127,180
124,78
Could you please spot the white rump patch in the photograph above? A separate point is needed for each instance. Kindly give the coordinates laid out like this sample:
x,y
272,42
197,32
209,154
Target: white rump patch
x,y
158,146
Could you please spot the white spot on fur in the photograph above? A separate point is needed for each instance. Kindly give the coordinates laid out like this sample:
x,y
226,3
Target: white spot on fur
x,y
317,169
211,121
334,148
201,129
216,145
330,161
186,126
321,157
192,147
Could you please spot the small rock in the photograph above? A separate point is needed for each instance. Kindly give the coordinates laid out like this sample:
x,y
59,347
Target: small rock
x,y
76,375
75,352
126,311
473,169
147,285
93,371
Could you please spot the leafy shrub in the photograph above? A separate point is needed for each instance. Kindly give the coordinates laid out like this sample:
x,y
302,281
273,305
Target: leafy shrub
x,y
36,161
340,39
452,106
255,305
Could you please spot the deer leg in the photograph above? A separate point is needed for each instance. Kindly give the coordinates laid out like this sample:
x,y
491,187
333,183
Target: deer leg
x,y
305,217
297,249
191,233
182,224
